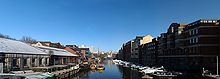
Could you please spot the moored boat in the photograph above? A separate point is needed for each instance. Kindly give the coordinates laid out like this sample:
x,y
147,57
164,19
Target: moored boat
x,y
93,66
100,67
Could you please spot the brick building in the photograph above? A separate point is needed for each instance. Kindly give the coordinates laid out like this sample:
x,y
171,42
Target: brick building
x,y
202,44
190,47
127,51
184,47
48,44
148,53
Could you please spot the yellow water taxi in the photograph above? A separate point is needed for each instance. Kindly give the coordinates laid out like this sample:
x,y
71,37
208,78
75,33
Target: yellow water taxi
x,y
100,70
100,67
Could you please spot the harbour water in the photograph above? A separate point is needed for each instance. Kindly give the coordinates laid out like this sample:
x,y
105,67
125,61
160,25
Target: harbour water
x,y
111,71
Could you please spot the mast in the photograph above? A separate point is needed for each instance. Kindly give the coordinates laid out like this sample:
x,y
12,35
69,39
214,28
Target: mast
x,y
217,64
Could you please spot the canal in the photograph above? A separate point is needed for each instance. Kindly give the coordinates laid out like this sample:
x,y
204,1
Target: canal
x,y
111,71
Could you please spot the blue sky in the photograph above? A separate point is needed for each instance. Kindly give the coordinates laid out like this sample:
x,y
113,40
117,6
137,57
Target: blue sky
x,y
105,24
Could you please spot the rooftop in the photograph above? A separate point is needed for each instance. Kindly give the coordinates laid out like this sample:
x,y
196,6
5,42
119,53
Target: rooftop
x,y
13,46
55,51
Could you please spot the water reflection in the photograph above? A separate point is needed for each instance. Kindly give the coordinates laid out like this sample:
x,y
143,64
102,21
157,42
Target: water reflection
x,y
111,71
127,73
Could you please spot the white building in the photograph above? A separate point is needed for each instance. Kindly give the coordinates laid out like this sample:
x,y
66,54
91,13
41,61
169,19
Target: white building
x,y
16,55
58,56
139,40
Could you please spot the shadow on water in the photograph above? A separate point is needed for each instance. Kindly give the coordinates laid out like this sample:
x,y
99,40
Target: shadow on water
x,y
113,71
127,73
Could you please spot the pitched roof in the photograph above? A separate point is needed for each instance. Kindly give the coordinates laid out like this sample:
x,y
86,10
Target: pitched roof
x,y
13,46
55,51
69,49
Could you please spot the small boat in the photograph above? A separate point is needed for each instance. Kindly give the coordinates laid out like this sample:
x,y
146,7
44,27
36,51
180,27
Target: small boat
x,y
100,67
93,66
165,74
152,70
100,71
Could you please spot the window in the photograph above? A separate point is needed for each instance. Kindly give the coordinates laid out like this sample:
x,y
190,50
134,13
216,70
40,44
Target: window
x,y
172,29
196,30
25,62
190,32
193,32
197,40
193,40
65,60
40,61
33,62
190,41
14,62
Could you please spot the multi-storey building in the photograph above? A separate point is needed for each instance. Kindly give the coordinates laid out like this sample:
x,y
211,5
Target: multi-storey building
x,y
119,54
127,51
179,38
138,41
148,53
202,44
171,39
134,49
162,46
184,47
191,47
171,46
130,50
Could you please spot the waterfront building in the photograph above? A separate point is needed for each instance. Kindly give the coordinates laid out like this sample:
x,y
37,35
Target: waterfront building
x,y
86,55
134,49
130,50
148,53
190,47
202,44
58,56
71,50
16,55
48,44
171,46
127,51
119,55
139,40
162,46
184,47
109,55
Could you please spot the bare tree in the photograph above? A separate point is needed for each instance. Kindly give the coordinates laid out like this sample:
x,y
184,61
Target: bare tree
x,y
6,36
27,39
